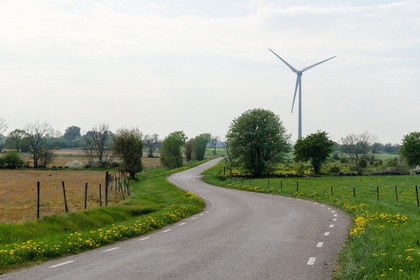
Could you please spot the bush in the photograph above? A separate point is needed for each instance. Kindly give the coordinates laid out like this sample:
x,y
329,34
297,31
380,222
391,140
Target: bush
x,y
11,160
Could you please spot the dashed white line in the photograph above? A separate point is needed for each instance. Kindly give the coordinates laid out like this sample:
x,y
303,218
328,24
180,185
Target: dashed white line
x,y
326,233
165,231
331,226
311,261
333,211
335,215
334,220
61,264
144,238
112,249
181,224
193,218
320,244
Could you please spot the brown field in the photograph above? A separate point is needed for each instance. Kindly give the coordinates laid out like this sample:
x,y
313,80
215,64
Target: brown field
x,y
18,189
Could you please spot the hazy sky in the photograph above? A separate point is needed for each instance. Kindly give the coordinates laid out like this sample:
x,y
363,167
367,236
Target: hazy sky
x,y
195,65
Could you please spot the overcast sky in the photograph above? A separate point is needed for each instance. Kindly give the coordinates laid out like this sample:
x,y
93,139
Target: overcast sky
x,y
195,65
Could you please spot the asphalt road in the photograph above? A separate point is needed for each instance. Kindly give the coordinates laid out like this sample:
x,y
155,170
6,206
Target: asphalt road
x,y
240,235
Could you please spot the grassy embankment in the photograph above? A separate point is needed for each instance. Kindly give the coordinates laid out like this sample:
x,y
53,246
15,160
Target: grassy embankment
x,y
384,241
153,204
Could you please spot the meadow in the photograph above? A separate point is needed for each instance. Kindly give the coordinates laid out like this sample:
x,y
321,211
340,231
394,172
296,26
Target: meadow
x,y
153,203
18,193
384,241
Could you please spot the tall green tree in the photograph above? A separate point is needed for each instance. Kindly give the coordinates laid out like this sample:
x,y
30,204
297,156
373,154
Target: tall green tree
x,y
410,148
315,148
171,154
257,141
128,146
200,145
71,133
16,141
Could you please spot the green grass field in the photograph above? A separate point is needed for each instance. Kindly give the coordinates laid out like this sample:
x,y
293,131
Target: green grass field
x,y
384,241
153,203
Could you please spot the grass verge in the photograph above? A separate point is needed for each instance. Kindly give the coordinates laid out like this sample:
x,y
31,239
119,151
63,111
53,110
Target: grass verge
x,y
384,241
153,203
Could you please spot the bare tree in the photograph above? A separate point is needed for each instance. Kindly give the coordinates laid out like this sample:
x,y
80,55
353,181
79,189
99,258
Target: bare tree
x,y
151,142
3,125
35,136
357,148
96,145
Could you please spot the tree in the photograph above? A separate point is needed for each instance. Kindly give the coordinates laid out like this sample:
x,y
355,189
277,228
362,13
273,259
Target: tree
x,y
71,133
410,148
16,141
357,148
96,146
151,142
200,145
128,146
171,155
258,141
35,136
213,143
189,149
315,148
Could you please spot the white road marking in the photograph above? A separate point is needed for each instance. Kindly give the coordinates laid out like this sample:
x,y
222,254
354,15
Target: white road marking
x,y
168,230
61,264
320,244
181,224
326,233
335,215
334,220
311,261
112,249
193,218
201,214
333,211
144,238
331,226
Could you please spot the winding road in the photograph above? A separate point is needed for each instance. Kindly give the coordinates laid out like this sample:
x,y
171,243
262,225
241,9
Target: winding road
x,y
240,235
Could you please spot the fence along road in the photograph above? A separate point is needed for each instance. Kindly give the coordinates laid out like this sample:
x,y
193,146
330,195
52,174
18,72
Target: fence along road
x,y
240,235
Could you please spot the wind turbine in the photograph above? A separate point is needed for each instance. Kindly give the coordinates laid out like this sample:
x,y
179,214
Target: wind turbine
x,y
299,84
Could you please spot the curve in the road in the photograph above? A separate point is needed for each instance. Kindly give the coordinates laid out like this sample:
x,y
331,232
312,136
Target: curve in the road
x,y
240,235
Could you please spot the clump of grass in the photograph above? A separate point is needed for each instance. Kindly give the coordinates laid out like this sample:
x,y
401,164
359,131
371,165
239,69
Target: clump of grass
x,y
384,241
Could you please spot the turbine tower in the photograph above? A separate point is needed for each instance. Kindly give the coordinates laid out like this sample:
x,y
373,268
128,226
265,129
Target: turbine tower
x,y
299,84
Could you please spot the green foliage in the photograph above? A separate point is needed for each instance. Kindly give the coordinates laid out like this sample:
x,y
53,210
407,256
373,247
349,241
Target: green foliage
x,y
315,148
11,160
171,154
128,146
71,133
200,145
257,141
410,148
16,141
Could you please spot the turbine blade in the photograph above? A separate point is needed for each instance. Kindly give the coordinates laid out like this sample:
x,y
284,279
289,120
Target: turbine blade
x,y
294,96
285,62
313,65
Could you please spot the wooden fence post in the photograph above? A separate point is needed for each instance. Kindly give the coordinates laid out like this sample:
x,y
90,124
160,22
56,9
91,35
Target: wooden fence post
x,y
100,195
86,191
38,193
396,193
377,193
65,197
417,194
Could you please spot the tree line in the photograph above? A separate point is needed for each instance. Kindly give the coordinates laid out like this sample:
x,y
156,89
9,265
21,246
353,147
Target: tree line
x,y
102,147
